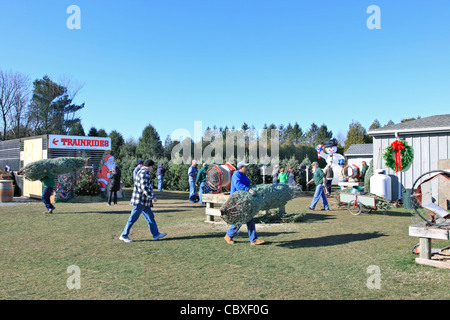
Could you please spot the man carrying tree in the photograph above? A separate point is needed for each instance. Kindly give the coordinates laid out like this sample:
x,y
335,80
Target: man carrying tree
x,y
240,181
142,199
48,182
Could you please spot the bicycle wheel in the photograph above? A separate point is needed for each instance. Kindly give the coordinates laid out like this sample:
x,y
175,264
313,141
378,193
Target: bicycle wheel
x,y
354,207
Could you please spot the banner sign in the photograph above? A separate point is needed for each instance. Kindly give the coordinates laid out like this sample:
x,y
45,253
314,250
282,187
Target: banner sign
x,y
78,142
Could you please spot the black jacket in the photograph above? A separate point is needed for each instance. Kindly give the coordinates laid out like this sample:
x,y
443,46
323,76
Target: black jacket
x,y
114,180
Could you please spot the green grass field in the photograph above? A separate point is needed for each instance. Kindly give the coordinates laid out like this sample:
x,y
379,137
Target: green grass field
x,y
326,256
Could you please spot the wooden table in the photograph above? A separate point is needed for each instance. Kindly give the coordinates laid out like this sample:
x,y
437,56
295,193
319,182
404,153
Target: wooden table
x,y
349,184
425,234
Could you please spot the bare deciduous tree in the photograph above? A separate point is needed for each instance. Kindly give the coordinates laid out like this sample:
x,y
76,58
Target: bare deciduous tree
x,y
14,95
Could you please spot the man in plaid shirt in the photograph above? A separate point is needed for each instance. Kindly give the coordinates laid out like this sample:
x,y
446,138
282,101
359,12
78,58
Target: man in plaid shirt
x,y
142,199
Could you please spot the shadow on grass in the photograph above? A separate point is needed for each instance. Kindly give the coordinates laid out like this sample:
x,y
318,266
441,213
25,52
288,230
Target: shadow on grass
x,y
392,213
331,240
120,211
168,195
313,217
241,237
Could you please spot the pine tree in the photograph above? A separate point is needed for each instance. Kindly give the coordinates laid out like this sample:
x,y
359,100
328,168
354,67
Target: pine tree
x,y
149,145
117,142
52,109
87,184
356,135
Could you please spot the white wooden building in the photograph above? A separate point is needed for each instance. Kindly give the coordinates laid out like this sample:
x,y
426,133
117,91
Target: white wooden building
x,y
429,138
357,153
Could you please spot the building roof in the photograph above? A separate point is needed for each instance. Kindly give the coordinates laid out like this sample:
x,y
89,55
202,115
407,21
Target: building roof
x,y
437,123
360,150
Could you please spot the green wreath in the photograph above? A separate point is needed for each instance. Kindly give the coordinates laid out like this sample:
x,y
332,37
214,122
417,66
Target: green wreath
x,y
407,156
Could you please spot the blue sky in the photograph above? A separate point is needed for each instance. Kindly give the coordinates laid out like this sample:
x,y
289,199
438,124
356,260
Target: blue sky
x,y
225,62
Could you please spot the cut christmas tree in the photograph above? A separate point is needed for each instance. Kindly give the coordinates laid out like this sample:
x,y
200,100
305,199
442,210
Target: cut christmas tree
x,y
38,170
242,206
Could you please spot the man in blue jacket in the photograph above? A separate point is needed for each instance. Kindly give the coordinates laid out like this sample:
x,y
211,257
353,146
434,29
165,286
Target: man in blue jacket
x,y
192,173
240,181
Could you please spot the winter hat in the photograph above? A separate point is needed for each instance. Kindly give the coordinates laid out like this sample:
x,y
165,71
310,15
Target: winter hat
x,y
148,163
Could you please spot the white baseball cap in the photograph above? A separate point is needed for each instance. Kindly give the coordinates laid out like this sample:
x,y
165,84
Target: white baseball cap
x,y
242,164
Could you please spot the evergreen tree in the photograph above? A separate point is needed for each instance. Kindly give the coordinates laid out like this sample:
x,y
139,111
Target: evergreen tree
x,y
286,134
92,132
51,109
77,129
102,133
356,135
322,135
296,134
117,142
169,144
311,134
389,123
87,184
128,149
375,125
149,145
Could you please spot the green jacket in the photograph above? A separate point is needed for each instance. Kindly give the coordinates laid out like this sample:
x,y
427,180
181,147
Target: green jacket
x,y
48,181
318,176
282,177
363,171
201,175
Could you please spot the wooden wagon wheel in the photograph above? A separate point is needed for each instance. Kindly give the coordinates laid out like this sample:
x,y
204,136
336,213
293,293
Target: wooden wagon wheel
x,y
416,196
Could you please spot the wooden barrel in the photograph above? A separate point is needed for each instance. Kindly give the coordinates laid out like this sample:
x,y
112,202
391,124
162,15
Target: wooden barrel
x,y
6,191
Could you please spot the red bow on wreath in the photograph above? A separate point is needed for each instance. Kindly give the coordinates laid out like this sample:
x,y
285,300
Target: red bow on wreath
x,y
397,146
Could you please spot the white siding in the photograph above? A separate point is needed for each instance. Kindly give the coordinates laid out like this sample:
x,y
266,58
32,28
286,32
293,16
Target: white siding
x,y
427,148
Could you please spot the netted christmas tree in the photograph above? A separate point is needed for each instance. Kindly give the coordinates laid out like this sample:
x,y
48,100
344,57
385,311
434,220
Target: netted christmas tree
x,y
242,206
87,184
38,170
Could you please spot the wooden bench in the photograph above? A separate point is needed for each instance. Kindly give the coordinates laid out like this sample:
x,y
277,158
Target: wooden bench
x,y
425,234
213,202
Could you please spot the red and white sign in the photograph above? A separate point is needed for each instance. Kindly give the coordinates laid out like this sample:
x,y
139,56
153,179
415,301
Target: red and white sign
x,y
78,142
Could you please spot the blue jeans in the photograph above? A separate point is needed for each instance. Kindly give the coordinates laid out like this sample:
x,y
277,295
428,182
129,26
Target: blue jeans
x,y
160,182
148,215
46,193
203,189
251,230
192,191
319,194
